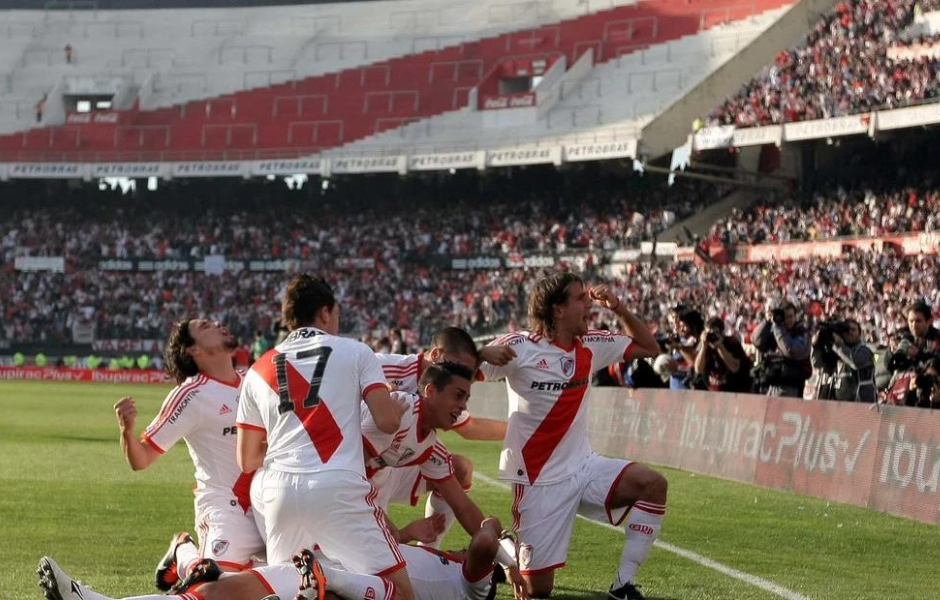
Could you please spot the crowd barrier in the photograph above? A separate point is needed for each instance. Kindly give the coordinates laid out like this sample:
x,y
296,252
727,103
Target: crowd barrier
x,y
887,459
88,375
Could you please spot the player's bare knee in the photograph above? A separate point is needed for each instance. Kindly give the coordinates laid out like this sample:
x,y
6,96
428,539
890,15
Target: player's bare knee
x,y
655,487
540,589
463,470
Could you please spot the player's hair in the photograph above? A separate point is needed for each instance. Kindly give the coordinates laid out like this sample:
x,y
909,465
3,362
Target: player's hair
x,y
549,292
454,340
180,364
303,299
442,373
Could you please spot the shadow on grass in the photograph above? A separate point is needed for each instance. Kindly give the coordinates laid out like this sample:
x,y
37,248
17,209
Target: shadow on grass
x,y
562,592
64,437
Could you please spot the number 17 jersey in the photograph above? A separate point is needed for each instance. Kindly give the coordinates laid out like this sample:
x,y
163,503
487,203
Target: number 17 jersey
x,y
306,394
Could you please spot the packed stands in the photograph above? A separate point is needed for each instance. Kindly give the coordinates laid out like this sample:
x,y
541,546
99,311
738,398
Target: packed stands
x,y
843,67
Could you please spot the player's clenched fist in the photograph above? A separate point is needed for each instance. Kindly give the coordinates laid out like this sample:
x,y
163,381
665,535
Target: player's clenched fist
x,y
126,412
605,296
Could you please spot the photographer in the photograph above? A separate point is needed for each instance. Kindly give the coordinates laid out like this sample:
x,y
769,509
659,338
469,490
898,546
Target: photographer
x,y
784,349
925,387
844,363
688,325
721,360
923,336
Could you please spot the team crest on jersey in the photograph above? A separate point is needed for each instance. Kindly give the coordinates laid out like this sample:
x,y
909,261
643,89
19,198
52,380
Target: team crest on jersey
x,y
406,454
525,556
219,547
567,366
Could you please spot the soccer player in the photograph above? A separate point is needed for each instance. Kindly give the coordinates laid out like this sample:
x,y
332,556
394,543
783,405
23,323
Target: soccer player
x,y
299,414
200,410
434,576
403,373
547,454
392,460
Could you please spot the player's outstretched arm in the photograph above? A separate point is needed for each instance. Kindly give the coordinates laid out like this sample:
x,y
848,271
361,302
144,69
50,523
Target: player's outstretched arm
x,y
644,344
386,413
465,509
482,430
139,455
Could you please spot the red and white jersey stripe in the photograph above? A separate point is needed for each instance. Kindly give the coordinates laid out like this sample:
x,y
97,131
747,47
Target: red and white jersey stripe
x,y
406,447
201,411
546,437
306,395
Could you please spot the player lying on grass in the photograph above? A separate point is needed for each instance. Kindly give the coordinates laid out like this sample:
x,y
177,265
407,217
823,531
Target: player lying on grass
x,y
468,575
404,371
200,410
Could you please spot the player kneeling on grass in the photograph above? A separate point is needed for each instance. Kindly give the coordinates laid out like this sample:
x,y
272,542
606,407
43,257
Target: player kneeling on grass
x,y
401,466
200,410
404,374
547,455
469,575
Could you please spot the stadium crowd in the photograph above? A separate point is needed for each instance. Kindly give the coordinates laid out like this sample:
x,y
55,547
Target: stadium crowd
x,y
863,211
409,288
842,67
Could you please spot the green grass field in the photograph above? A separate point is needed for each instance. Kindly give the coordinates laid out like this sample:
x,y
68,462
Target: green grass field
x,y
66,492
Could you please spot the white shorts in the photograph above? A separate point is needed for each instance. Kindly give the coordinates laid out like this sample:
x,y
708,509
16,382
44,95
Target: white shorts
x,y
228,535
543,515
399,485
334,510
437,577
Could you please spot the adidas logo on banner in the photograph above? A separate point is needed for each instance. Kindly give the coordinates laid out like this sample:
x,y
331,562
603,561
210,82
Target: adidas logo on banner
x,y
542,364
225,410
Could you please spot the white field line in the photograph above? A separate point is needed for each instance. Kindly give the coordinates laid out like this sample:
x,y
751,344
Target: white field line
x,y
754,580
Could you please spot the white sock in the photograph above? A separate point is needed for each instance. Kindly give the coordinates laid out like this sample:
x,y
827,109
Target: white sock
x,y
355,585
643,524
436,505
186,556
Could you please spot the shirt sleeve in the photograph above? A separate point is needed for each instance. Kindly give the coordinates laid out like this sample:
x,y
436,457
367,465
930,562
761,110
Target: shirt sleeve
x,y
248,415
607,348
438,466
370,371
490,372
463,419
178,417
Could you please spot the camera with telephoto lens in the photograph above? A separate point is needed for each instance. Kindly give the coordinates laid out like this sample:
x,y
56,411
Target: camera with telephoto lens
x,y
829,328
712,338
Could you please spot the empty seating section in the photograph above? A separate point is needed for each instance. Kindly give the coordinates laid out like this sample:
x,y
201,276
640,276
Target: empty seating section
x,y
276,115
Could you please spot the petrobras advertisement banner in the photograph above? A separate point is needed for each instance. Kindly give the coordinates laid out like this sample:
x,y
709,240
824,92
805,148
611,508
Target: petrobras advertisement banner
x,y
131,169
758,136
600,150
449,160
912,116
46,170
210,169
822,128
369,164
524,156
888,459
287,166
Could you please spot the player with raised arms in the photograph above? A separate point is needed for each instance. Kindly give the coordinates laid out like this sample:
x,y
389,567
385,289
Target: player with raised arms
x,y
547,456
200,410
